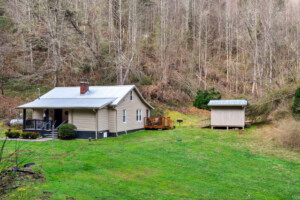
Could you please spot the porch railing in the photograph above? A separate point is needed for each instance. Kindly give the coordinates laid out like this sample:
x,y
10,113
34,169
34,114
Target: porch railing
x,y
38,124
64,122
163,122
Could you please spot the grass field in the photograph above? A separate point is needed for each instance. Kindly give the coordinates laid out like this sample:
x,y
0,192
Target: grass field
x,y
206,164
188,120
2,129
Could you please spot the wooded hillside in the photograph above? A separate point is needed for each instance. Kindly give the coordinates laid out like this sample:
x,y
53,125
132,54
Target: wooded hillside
x,y
170,48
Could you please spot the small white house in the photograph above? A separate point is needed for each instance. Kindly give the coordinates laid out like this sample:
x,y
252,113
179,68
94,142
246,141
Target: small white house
x,y
228,113
96,111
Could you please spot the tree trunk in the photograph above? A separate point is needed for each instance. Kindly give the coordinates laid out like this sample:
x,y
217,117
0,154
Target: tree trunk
x,y
200,46
254,86
2,75
120,45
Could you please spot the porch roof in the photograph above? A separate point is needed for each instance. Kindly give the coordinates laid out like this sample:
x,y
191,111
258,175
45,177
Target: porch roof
x,y
69,103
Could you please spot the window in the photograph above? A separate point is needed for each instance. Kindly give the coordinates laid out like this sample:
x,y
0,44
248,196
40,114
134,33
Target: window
x,y
124,116
131,95
140,118
138,115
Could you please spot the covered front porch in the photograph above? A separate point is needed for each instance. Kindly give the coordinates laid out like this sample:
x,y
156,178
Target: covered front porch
x,y
43,120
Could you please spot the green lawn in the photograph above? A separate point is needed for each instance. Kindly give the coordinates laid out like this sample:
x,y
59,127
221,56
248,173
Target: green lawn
x,y
2,129
206,164
188,120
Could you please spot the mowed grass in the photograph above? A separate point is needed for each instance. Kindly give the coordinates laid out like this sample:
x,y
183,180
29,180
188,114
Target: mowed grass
x,y
188,120
206,164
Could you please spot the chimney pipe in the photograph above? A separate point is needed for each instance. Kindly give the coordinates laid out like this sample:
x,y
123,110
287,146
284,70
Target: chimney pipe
x,y
84,85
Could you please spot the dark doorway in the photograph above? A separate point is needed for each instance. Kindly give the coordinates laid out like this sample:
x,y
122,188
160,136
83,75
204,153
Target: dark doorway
x,y
46,115
147,113
57,117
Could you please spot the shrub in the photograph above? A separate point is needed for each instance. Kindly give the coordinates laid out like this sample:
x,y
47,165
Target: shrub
x,y
30,135
26,135
11,133
156,112
289,135
34,135
17,126
261,110
296,104
203,97
67,131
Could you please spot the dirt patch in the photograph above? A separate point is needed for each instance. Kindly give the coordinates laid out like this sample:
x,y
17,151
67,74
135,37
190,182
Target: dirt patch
x,y
11,179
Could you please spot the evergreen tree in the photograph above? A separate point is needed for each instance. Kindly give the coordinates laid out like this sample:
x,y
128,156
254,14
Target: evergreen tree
x,y
203,97
296,105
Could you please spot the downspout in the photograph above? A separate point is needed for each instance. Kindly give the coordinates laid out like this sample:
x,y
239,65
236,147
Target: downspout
x,y
96,131
116,122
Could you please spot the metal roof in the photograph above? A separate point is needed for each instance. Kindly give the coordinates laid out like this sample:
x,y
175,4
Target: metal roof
x,y
228,103
96,97
68,103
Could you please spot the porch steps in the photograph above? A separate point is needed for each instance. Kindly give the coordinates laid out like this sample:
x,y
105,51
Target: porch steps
x,y
49,135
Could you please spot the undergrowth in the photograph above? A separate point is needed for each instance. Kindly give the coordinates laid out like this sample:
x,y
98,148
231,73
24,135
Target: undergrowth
x,y
262,109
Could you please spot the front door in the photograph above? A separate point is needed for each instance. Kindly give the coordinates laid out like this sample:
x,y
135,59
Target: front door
x,y
57,117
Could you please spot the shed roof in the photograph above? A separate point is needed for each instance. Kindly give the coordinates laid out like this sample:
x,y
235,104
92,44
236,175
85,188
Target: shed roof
x,y
228,102
96,97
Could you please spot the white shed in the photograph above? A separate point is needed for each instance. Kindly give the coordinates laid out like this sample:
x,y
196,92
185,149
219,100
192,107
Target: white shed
x,y
228,113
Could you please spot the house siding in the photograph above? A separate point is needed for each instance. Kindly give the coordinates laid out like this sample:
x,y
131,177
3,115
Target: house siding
x,y
103,119
65,113
70,117
37,114
111,120
84,120
131,107
228,116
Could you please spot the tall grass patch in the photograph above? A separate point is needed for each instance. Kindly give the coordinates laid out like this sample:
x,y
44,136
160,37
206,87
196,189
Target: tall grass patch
x,y
289,134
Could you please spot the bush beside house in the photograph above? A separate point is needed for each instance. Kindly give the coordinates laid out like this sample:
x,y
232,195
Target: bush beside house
x,y
30,135
67,131
12,133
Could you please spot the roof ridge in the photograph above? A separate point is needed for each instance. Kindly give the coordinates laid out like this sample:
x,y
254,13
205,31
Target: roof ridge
x,y
81,98
97,86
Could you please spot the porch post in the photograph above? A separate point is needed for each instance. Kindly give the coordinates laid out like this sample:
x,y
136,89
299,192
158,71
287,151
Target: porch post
x,y
24,119
47,119
96,132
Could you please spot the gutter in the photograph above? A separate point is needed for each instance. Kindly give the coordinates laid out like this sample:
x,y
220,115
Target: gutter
x,y
116,122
